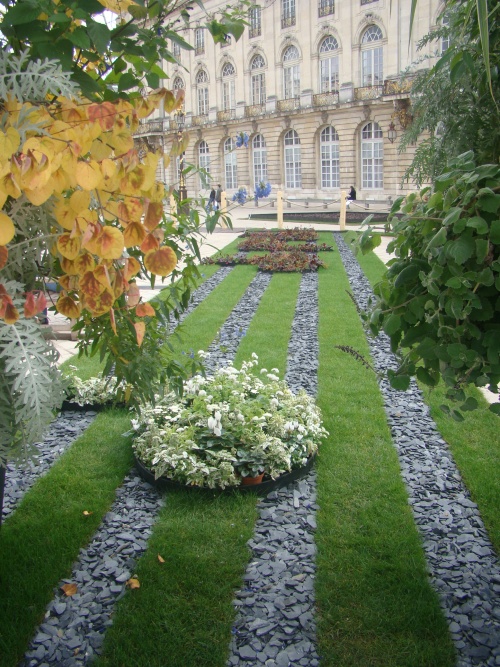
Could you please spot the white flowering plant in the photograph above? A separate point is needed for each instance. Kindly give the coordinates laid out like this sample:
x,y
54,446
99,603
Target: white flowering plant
x,y
97,390
235,424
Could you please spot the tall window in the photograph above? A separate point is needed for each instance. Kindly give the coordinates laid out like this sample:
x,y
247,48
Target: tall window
x,y
445,41
176,51
372,157
326,7
258,80
329,148
199,41
287,13
254,18
178,83
371,57
204,163
291,73
202,92
230,164
228,73
328,65
293,167
259,159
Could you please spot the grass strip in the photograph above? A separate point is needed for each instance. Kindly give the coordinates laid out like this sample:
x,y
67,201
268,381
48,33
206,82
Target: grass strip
x,y
40,541
474,442
182,614
268,333
375,603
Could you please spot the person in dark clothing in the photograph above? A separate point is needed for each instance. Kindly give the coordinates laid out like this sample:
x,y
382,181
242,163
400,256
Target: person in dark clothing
x,y
351,196
218,196
211,201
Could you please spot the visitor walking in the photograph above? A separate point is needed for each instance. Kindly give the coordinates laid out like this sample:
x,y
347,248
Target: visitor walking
x,y
211,201
218,197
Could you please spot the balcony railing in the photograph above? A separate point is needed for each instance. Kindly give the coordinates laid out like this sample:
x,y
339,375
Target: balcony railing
x,y
199,120
324,99
254,32
289,104
227,114
157,126
288,20
368,92
254,110
397,86
326,7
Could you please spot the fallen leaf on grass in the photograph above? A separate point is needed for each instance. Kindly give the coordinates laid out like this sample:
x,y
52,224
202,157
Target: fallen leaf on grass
x,y
69,589
87,513
133,583
160,559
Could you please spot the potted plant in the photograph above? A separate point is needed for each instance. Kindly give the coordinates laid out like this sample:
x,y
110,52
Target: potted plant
x,y
238,423
96,391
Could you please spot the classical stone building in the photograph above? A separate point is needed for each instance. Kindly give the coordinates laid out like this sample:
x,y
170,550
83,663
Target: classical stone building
x,y
317,86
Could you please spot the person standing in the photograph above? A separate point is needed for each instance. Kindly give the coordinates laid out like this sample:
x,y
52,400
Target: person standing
x,y
218,197
211,201
351,196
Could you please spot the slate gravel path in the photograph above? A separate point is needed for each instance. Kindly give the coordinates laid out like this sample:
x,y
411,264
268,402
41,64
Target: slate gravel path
x,y
275,622
462,563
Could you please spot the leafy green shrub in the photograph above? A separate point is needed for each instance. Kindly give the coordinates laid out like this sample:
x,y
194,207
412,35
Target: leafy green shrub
x,y
440,298
296,234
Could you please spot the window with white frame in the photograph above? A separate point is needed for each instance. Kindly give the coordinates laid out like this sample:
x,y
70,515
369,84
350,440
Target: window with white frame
x,y
328,65
228,95
202,92
230,164
445,41
258,80
372,64
372,157
255,20
330,158
259,159
178,83
287,13
176,51
199,41
291,73
293,166
204,163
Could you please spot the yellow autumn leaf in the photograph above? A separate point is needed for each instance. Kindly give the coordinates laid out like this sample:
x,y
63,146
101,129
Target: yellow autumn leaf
x,y
110,243
68,246
64,214
7,229
140,330
160,262
88,175
121,137
68,307
133,583
79,201
87,513
134,234
154,213
69,589
9,142
131,268
101,304
160,559
40,145
39,196
145,309
90,286
84,262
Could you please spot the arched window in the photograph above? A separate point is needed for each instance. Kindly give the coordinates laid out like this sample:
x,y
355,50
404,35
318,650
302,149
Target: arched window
x,y
178,83
372,57
202,92
291,73
228,74
328,65
230,164
293,167
259,159
258,80
330,165
204,163
372,157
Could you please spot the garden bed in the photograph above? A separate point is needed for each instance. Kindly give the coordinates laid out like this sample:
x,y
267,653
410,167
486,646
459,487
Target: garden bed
x,y
266,486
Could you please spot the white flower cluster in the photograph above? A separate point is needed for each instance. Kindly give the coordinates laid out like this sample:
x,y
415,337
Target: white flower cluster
x,y
94,391
236,423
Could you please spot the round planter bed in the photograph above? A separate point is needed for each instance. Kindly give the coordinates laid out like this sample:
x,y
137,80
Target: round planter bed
x,y
262,489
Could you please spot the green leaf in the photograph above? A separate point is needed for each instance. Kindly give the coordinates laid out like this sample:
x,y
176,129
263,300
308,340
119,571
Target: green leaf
x,y
408,274
454,283
234,28
88,85
19,14
495,232
469,405
495,408
479,224
127,81
428,378
481,249
437,240
482,17
398,381
100,34
461,249
79,38
137,12
452,216
392,324
488,201
457,416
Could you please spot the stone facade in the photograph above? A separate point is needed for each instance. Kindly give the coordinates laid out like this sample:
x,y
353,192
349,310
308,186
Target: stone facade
x,y
315,84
